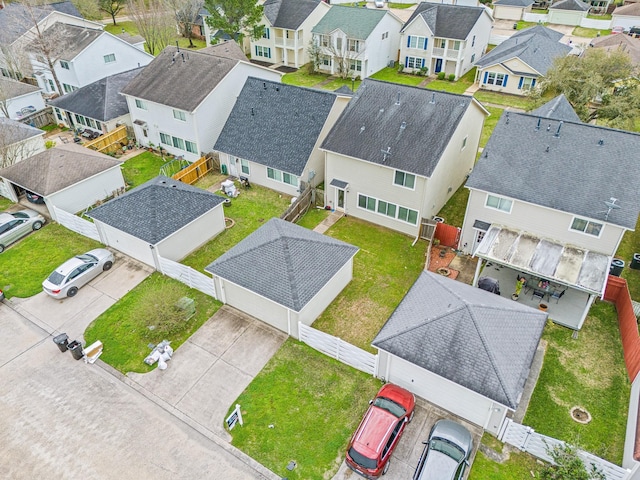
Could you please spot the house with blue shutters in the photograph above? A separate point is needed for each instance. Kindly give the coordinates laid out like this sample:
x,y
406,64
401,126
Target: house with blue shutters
x,y
517,64
444,38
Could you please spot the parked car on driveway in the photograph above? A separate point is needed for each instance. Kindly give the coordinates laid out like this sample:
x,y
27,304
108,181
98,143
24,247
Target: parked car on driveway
x,y
446,453
379,432
77,272
34,197
14,226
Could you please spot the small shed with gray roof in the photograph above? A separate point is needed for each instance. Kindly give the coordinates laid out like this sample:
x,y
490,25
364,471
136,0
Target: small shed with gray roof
x,y
568,12
462,348
160,218
69,177
19,99
283,274
511,9
18,141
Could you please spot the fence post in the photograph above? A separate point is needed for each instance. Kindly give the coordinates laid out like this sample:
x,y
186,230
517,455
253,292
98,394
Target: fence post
x,y
525,441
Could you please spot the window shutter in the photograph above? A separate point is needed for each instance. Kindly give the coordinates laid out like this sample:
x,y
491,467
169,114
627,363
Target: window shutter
x,y
520,83
533,83
486,75
422,63
506,77
257,51
426,40
406,61
408,41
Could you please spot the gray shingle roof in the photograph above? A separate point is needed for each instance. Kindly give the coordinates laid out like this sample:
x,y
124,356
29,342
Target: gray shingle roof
x,y
14,131
416,131
476,339
280,262
130,39
356,23
226,49
616,42
289,14
577,175
572,5
11,88
15,20
447,21
64,7
156,209
276,125
536,46
558,108
58,168
75,38
183,83
99,100
514,3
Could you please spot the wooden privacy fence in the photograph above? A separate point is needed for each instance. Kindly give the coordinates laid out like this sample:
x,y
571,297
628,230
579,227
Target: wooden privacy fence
x,y
40,118
109,142
195,171
299,207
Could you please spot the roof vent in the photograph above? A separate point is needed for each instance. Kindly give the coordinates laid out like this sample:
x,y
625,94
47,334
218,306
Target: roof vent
x,y
548,127
433,98
381,111
557,134
362,129
403,125
601,142
538,125
398,99
264,85
547,149
507,118
252,113
386,153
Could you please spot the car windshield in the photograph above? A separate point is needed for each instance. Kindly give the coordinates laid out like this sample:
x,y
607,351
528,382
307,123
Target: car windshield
x,y
56,278
366,462
390,406
448,448
86,258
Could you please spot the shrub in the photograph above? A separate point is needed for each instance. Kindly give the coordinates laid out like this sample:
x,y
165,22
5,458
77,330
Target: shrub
x,y
441,75
400,68
452,77
424,71
49,144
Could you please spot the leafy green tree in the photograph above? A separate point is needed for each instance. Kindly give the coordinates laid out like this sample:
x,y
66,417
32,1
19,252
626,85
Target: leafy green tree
x,y
112,7
568,466
236,18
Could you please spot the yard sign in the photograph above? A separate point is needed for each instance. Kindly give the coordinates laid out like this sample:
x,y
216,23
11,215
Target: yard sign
x,y
235,417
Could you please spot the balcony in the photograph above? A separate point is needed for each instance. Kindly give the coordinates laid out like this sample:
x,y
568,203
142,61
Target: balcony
x,y
285,42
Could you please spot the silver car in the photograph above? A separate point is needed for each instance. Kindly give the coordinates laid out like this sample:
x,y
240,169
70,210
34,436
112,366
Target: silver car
x,y
14,226
446,453
76,272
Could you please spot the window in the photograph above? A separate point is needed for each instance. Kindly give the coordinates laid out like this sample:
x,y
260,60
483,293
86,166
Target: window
x,y
64,64
454,45
367,202
263,51
179,115
473,41
526,83
385,35
59,114
408,215
404,179
388,209
586,226
5,72
52,87
339,44
355,65
440,42
244,166
497,79
464,142
140,104
165,139
324,40
353,45
178,143
499,203
191,146
266,33
281,176
290,179
473,58
480,235
110,58
413,62
414,41
68,88
325,60
80,120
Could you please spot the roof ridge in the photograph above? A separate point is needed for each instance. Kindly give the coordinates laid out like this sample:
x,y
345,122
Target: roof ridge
x,y
421,324
291,276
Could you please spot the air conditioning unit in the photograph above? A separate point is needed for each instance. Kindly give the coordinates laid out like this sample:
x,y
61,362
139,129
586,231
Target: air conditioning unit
x,y
392,63
438,219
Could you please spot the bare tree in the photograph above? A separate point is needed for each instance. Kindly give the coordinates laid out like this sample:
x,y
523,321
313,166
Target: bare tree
x,y
154,22
4,100
112,7
12,147
186,13
89,9
344,53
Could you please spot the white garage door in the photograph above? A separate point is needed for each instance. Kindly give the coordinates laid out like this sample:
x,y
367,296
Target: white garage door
x,y
256,306
127,244
440,391
564,18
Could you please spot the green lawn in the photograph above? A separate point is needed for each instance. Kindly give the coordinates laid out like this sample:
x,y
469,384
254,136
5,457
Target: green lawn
x,y
5,203
302,407
313,218
605,16
490,123
400,5
459,86
519,466
142,168
631,244
508,100
131,29
389,74
124,327
250,210
27,263
590,32
454,209
588,372
302,78
522,24
342,82
384,269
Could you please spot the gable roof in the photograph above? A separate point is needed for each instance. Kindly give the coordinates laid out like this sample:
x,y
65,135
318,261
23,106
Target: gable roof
x,y
100,100
474,338
631,10
447,21
576,175
130,39
558,108
276,125
16,19
279,261
10,88
514,3
289,14
179,78
226,49
64,7
14,131
156,209
413,123
536,46
615,42
572,5
75,38
58,168
355,22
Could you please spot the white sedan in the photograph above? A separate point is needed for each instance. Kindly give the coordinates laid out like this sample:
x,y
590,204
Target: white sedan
x,y
77,272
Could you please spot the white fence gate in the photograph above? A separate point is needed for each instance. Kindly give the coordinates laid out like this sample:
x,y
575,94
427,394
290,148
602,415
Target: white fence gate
x,y
338,349
526,439
187,275
77,224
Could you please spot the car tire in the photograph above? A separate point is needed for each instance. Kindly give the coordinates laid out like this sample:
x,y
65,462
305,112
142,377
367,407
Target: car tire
x,y
72,291
107,266
386,467
1,248
37,225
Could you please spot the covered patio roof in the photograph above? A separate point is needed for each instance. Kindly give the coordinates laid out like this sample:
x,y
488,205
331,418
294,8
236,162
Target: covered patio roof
x,y
565,264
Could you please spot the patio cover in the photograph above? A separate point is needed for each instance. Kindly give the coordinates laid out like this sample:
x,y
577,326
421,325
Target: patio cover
x,y
565,264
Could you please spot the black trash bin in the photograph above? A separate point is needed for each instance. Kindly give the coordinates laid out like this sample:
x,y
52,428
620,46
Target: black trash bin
x,y
616,267
75,348
635,261
62,341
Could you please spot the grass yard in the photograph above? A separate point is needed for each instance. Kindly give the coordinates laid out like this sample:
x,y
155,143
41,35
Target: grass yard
x,y
303,406
302,78
124,327
5,203
522,24
631,244
400,6
589,32
384,269
142,168
342,82
518,466
490,123
454,209
459,86
587,372
390,74
313,218
250,210
131,29
515,101
27,263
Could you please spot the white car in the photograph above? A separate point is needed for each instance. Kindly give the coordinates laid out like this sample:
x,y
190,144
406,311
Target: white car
x,y
378,3
14,226
77,272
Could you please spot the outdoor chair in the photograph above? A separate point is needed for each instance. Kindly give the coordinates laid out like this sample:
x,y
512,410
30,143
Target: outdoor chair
x,y
557,294
538,294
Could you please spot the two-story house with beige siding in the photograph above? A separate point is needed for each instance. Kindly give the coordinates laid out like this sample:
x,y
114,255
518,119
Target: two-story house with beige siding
x,y
517,64
398,153
273,134
444,38
287,31
549,200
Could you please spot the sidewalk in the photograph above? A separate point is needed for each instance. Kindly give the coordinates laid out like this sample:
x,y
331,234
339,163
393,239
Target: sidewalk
x,y
328,222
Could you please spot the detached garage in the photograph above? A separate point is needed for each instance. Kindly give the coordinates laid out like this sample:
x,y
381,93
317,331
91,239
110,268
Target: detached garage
x,y
511,9
69,177
568,12
283,274
163,217
461,348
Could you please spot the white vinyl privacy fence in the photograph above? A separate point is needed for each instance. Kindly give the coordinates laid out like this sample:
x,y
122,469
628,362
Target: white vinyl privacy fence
x,y
187,275
77,224
338,349
528,440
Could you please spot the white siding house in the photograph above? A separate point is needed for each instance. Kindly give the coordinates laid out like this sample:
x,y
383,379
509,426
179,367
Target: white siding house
x,y
19,99
18,141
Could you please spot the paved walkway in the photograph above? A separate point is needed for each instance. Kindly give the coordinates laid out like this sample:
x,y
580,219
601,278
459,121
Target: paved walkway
x,y
328,222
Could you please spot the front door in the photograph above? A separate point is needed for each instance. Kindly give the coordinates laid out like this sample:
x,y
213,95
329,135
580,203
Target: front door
x,y
339,199
233,169
438,65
